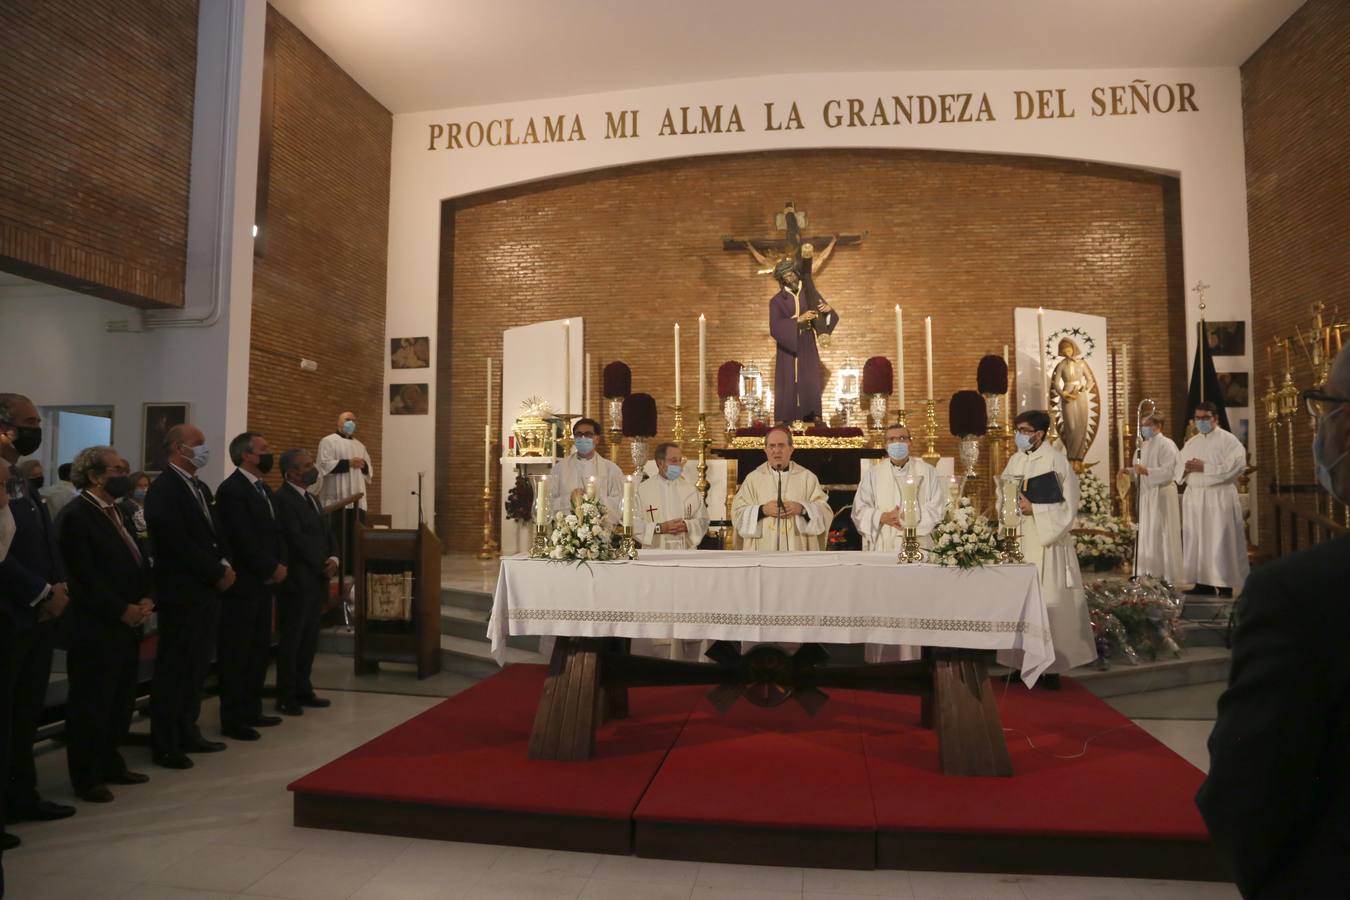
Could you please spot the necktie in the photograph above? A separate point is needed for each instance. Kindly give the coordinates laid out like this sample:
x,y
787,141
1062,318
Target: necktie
x,y
262,489
111,513
201,501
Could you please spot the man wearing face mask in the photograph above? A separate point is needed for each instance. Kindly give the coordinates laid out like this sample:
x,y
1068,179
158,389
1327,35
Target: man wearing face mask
x,y
1213,541
572,474
670,514
345,468
877,505
248,510
192,570
781,506
1047,515
312,551
33,585
1277,797
109,601
1155,463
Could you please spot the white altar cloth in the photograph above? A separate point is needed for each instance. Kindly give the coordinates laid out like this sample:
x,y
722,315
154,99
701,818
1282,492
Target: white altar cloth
x,y
828,596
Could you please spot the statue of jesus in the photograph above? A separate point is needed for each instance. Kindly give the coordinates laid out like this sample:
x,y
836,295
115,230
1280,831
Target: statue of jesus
x,y
797,315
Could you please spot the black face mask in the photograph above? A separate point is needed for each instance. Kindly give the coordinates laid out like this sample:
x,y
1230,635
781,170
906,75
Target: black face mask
x,y
264,463
27,439
310,478
118,486
34,485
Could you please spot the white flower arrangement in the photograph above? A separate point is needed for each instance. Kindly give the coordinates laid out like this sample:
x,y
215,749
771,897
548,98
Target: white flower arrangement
x,y
964,538
580,535
1101,541
1094,497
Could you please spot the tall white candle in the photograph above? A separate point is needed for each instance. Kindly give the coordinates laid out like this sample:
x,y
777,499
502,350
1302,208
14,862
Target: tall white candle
x,y
567,366
628,502
586,387
1125,378
910,506
541,500
1040,358
590,488
487,453
702,363
677,363
928,345
900,356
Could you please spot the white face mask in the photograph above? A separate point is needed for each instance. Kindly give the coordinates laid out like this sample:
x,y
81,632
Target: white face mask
x,y
1204,426
1146,431
1022,440
1326,469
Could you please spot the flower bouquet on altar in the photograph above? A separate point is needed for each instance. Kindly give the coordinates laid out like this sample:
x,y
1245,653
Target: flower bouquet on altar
x,y
580,535
1102,542
965,538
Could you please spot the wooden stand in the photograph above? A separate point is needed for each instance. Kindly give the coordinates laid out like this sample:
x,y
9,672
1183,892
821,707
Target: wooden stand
x,y
419,640
588,681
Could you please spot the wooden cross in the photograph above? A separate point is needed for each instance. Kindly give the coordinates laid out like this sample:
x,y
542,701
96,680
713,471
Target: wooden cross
x,y
651,511
791,221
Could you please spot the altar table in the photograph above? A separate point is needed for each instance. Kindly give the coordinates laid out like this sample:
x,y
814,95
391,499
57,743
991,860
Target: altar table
x,y
959,616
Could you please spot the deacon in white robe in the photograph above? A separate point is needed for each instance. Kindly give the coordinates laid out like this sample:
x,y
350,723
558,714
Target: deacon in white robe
x,y
802,519
670,515
572,474
1046,541
1158,551
1214,543
344,465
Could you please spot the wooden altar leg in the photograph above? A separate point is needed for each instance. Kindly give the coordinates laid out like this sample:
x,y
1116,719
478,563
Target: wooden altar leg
x,y
614,695
568,713
970,733
926,700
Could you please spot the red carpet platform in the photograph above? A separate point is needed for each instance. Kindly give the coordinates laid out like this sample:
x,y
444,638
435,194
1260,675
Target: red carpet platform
x,y
855,786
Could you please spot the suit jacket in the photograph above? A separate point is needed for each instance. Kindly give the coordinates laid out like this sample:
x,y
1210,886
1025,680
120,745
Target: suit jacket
x,y
189,547
104,576
253,532
33,561
1277,799
309,540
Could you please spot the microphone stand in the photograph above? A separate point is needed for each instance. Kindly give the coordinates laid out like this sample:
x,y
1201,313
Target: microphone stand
x,y
778,519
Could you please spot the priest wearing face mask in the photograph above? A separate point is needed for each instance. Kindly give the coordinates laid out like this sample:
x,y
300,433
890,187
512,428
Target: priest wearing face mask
x,y
1277,797
109,601
878,505
571,475
192,570
33,592
249,513
345,468
1048,501
781,506
1158,552
669,508
1213,541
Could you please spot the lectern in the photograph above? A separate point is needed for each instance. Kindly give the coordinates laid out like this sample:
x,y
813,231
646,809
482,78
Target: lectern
x,y
398,598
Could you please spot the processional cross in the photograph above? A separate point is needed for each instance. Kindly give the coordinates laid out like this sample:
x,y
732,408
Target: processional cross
x,y
767,251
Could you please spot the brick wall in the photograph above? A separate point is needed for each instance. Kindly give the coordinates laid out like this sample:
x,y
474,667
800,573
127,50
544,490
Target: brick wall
x,y
95,145
319,289
964,238
1297,135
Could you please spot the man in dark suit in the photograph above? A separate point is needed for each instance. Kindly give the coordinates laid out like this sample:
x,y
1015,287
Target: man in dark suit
x,y
109,600
313,553
1277,799
249,514
32,584
192,569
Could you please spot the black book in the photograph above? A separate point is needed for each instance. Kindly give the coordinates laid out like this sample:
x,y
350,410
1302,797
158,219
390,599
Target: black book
x,y
1043,488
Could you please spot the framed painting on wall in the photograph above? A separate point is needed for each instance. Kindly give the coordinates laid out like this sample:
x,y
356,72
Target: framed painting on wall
x,y
156,420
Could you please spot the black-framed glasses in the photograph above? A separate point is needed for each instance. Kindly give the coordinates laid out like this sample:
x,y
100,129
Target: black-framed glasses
x,y
1320,403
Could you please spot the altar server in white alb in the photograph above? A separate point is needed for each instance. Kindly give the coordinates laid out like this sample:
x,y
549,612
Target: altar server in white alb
x,y
1155,463
344,465
1213,543
781,506
572,474
1047,542
670,514
877,506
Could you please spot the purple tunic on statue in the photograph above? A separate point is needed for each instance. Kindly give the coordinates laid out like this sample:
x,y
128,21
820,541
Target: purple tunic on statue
x,y
796,382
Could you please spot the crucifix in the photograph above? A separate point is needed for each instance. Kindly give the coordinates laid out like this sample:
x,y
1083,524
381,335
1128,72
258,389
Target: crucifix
x,y
651,511
792,221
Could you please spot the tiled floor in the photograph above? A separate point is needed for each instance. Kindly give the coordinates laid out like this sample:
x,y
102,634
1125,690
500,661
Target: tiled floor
x,y
223,830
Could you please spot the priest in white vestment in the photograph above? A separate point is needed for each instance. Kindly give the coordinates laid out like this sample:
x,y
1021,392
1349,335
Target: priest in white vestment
x,y
1213,541
1158,550
780,505
344,465
670,515
571,475
1046,541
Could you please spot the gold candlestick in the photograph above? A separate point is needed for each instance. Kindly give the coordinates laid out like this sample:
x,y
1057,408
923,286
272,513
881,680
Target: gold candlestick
x,y
930,455
909,549
900,416
1010,545
1288,402
703,443
677,428
627,545
539,548
490,548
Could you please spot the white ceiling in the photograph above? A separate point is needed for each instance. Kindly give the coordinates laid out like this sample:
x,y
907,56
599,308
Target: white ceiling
x,y
431,54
